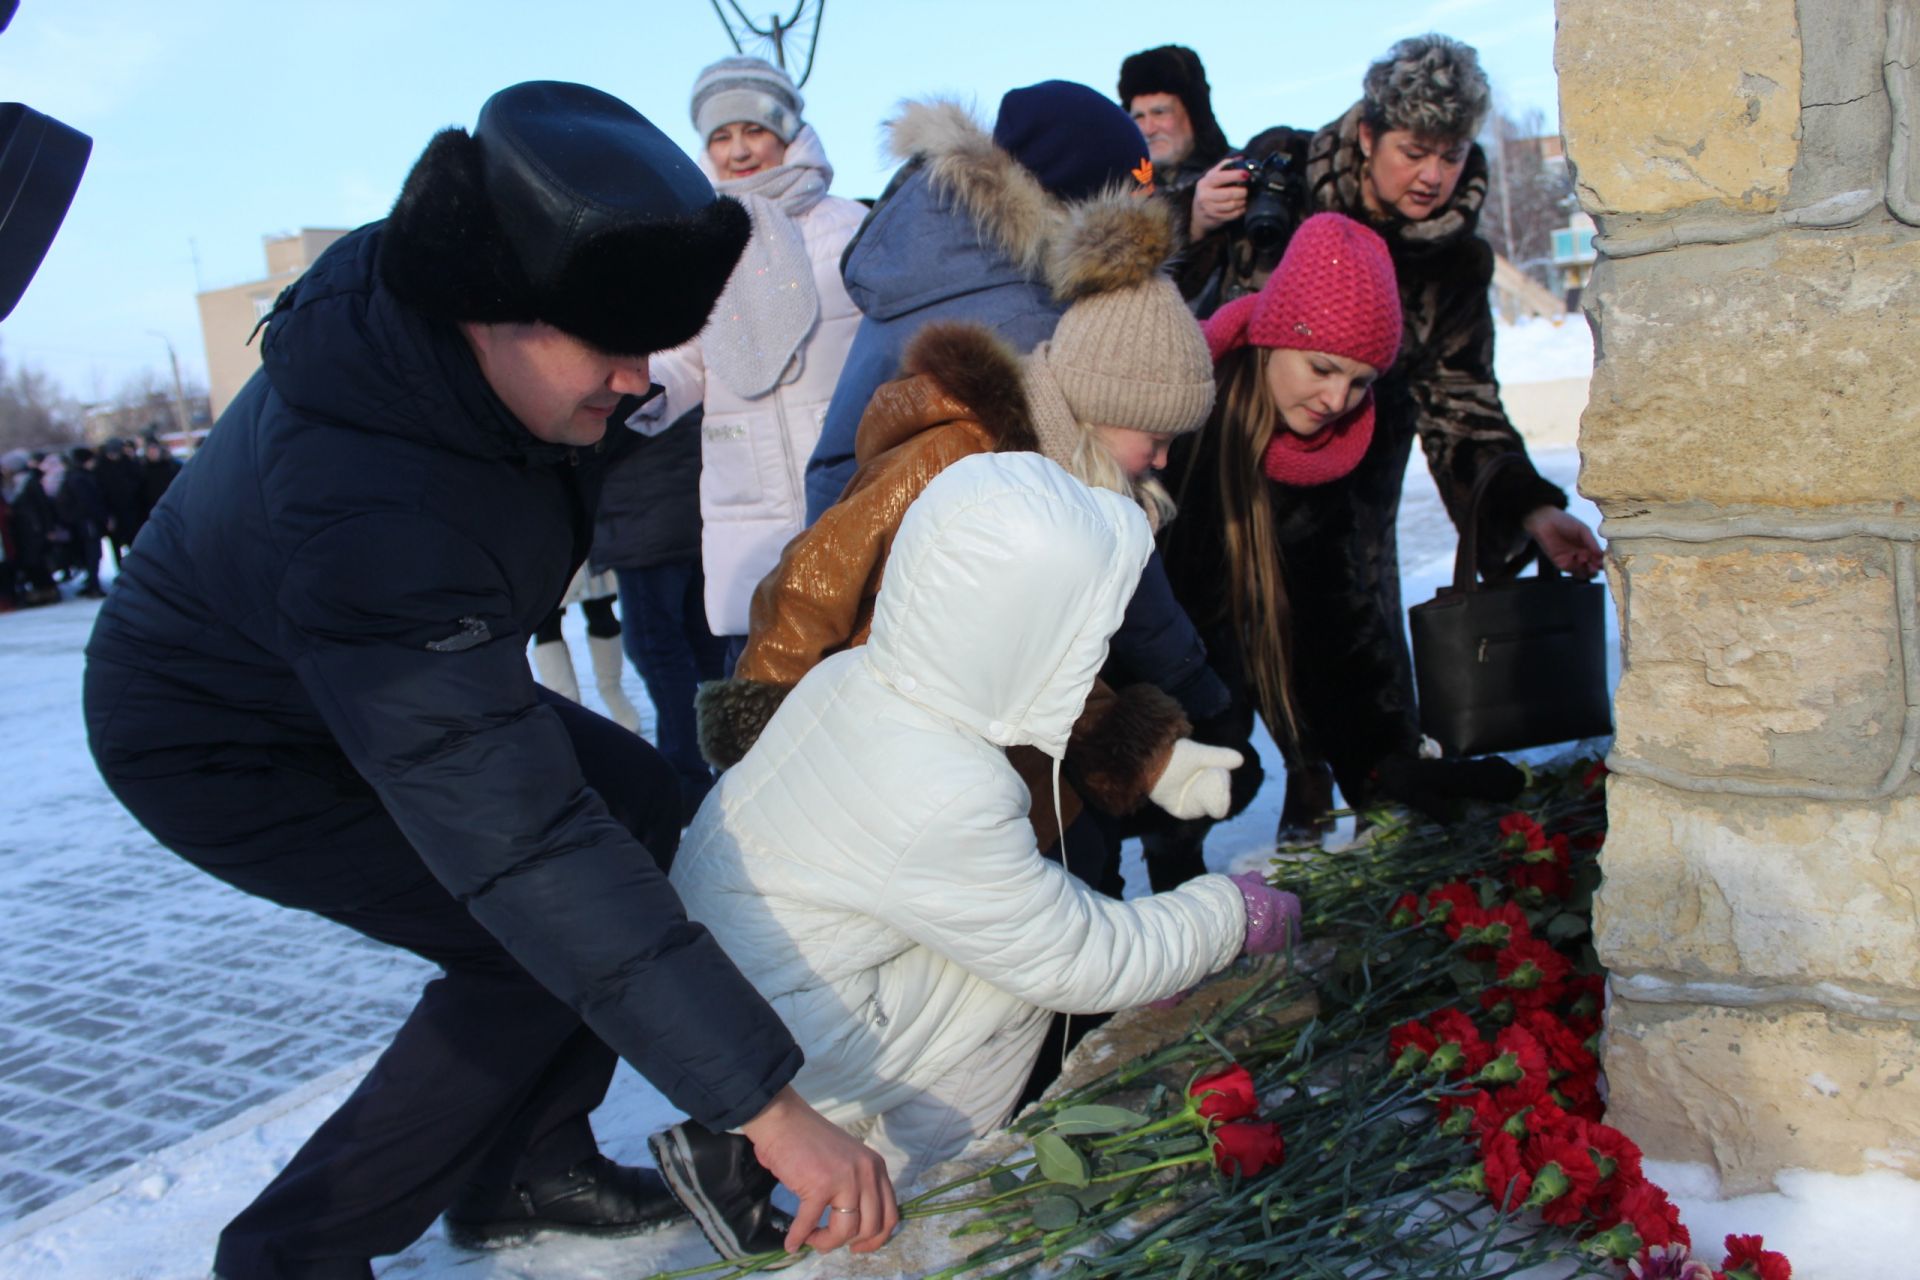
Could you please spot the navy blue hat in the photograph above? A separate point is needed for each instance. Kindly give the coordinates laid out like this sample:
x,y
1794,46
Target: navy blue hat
x,y
1074,140
567,206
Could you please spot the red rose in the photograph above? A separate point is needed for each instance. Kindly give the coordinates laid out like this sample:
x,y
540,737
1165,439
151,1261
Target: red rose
x,y
1508,1182
1748,1260
1246,1147
1226,1094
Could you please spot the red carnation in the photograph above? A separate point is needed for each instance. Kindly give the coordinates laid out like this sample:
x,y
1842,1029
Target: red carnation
x,y
1246,1147
1748,1260
1595,776
1410,1036
1405,911
1549,880
1446,901
1564,1178
1508,1182
1565,1052
1612,1147
1557,851
1454,1027
1533,971
1519,832
1652,1215
1227,1094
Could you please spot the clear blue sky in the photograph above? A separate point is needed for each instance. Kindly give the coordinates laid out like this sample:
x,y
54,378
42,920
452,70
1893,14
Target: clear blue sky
x,y
216,122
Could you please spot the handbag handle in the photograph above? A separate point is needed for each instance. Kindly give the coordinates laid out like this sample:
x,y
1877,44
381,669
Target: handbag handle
x,y
1466,560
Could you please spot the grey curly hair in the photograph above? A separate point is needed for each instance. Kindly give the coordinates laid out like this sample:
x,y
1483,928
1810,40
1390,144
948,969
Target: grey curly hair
x,y
1431,85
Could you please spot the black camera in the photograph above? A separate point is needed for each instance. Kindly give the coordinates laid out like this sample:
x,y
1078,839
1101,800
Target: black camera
x,y
1274,191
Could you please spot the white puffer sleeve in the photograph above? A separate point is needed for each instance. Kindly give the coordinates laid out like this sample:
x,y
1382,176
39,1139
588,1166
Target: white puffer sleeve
x,y
975,889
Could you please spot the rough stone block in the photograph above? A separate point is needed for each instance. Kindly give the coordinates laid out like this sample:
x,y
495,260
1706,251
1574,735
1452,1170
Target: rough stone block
x,y
1753,1092
1776,373
1657,121
1761,659
1762,892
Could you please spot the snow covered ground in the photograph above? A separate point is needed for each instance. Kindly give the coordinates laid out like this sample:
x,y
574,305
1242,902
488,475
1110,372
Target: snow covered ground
x,y
160,1196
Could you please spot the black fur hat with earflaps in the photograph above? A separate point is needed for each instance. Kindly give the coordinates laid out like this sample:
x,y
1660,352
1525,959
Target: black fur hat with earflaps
x,y
565,206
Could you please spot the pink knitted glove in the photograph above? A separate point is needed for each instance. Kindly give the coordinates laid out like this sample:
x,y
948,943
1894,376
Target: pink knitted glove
x,y
1273,915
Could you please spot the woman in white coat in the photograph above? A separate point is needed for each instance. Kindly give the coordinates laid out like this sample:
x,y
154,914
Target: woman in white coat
x,y
766,365
870,867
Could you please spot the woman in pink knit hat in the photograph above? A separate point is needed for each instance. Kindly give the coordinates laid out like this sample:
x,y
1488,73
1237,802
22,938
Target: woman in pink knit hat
x,y
1294,367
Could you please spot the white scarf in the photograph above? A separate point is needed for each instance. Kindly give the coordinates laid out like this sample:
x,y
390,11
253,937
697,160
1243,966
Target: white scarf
x,y
770,304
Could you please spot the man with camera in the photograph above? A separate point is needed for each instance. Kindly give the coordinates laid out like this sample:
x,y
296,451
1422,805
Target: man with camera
x,y
1165,90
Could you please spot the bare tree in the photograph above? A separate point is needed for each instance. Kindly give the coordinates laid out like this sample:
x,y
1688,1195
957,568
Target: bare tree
x,y
1529,195
35,411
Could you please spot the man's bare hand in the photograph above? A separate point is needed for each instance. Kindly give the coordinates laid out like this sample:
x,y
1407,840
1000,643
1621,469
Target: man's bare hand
x,y
1219,197
831,1172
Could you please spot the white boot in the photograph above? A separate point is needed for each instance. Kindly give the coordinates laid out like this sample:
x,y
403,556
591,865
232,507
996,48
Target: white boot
x,y
609,665
554,666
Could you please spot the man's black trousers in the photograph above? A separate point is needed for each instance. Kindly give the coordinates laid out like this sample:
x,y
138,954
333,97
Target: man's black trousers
x,y
490,1079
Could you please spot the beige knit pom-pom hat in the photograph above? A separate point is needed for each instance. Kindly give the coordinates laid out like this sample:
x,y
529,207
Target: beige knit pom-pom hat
x,y
1127,352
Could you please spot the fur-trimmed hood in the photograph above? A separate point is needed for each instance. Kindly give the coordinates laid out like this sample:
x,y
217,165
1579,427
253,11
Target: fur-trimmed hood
x,y
952,370
1005,203
963,217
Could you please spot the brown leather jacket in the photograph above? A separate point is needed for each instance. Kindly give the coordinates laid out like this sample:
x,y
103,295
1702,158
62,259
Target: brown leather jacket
x,y
962,395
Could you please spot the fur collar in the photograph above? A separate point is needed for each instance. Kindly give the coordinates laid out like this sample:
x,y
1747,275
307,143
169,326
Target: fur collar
x,y
1005,202
1334,161
980,371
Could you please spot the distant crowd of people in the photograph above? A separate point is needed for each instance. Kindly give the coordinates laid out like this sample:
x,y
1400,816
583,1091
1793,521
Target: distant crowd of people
x,y
966,535
58,510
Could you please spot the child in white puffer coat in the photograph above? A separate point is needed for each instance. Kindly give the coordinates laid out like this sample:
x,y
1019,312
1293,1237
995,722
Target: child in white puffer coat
x,y
870,867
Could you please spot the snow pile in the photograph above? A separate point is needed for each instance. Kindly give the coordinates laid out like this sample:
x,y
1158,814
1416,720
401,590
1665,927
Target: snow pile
x,y
1536,350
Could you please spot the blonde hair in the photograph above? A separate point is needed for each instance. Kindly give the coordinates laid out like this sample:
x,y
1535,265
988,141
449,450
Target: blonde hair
x,y
1093,465
1262,615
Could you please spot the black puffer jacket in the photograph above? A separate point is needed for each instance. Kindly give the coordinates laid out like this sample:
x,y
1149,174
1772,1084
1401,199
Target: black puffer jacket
x,y
349,569
649,510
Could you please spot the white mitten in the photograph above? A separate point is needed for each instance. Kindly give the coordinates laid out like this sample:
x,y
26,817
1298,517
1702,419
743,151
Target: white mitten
x,y
1194,784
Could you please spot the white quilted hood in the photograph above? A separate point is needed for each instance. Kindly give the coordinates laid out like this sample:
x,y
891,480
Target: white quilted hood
x,y
1003,585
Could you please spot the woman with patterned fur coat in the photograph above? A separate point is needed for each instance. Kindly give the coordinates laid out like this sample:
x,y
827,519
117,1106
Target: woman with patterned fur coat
x,y
1403,162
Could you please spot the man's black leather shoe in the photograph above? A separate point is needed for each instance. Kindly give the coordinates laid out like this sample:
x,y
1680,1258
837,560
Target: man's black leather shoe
x,y
726,1189
594,1198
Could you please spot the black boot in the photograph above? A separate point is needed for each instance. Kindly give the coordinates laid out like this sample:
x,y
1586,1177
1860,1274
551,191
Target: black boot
x,y
1176,855
724,1186
594,1198
1303,817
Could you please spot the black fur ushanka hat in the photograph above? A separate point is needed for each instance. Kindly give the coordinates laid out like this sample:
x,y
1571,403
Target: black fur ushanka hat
x,y
565,205
1175,69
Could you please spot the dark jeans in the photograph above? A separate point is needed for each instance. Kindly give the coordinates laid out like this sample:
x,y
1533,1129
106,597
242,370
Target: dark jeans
x,y
490,1079
663,617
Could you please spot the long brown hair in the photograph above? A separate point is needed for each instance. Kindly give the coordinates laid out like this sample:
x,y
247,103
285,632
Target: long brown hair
x,y
1256,584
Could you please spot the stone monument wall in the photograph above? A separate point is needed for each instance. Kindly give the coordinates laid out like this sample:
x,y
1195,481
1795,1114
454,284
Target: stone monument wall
x,y
1753,439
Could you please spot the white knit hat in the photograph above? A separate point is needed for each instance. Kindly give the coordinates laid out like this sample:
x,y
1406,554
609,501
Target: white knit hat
x,y
746,89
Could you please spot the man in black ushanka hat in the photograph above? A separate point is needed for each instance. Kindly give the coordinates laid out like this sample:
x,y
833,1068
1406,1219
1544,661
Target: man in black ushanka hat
x,y
312,684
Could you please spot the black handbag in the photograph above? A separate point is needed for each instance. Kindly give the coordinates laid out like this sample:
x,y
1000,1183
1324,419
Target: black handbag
x,y
1502,666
